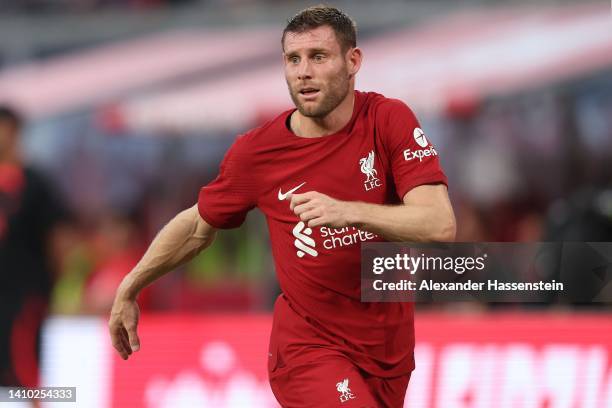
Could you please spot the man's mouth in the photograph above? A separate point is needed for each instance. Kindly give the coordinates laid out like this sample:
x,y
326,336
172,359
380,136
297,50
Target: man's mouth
x,y
308,91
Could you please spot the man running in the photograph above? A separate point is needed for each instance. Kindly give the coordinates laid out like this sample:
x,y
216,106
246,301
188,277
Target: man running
x,y
343,168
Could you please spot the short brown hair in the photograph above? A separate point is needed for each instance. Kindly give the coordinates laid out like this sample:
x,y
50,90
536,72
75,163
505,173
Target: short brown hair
x,y
321,15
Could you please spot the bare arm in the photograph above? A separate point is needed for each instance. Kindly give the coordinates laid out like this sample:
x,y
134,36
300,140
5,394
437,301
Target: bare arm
x,y
425,216
178,242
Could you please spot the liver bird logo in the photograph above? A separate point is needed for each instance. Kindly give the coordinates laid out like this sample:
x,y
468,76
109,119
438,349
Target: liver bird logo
x,y
367,166
345,391
343,387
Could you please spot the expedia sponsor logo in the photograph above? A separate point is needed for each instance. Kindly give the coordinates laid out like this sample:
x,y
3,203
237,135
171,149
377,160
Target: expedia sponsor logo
x,y
419,154
419,137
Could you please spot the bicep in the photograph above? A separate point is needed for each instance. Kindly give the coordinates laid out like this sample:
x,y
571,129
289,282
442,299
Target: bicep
x,y
431,195
433,203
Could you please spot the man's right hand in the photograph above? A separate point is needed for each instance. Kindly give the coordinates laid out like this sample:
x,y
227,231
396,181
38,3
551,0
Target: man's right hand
x,y
177,243
122,326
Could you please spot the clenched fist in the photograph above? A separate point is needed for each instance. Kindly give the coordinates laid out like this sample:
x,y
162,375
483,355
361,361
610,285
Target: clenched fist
x,y
316,209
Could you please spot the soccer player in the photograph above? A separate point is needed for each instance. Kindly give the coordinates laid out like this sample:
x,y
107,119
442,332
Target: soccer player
x,y
343,168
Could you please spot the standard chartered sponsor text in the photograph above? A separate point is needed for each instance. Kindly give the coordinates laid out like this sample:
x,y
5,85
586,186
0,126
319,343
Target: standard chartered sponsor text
x,y
469,285
340,237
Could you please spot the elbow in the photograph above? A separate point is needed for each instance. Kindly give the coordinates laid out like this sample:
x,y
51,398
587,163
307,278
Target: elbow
x,y
205,234
446,230
202,232
208,239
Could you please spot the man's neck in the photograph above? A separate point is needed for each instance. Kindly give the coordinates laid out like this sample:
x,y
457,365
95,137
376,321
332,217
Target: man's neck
x,y
304,126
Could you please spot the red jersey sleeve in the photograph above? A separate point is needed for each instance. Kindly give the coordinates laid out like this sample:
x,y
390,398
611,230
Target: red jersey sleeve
x,y
414,160
225,201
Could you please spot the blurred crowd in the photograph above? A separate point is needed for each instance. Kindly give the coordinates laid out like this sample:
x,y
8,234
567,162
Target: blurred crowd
x,y
82,5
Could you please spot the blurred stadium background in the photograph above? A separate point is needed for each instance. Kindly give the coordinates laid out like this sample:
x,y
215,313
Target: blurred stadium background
x,y
129,107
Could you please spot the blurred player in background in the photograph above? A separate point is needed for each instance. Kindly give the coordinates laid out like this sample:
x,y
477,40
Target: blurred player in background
x,y
345,167
30,216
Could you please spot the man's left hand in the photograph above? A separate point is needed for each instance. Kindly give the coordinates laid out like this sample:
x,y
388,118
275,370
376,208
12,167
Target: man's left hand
x,y
316,209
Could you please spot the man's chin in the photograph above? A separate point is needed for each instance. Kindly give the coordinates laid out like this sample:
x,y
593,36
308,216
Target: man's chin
x,y
311,110
309,113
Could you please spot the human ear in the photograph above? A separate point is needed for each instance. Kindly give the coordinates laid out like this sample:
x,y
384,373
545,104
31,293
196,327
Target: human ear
x,y
354,58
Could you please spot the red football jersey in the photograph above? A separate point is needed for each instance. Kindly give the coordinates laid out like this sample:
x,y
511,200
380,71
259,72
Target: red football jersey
x,y
378,157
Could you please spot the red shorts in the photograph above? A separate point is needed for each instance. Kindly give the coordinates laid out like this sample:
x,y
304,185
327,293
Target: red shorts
x,y
307,370
333,381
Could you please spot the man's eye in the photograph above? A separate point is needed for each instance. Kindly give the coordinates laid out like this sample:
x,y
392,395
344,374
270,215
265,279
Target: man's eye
x,y
294,60
319,57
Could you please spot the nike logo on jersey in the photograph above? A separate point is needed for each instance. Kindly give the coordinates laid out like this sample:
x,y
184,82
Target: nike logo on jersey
x,y
282,196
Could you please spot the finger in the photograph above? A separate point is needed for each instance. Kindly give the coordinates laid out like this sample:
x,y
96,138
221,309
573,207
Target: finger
x,y
125,341
133,338
118,345
297,199
317,222
303,208
309,215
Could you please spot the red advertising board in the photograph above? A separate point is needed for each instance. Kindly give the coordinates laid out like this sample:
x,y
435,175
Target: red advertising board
x,y
463,361
196,361
512,360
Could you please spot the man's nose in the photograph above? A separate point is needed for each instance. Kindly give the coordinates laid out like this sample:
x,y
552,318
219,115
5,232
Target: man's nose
x,y
304,70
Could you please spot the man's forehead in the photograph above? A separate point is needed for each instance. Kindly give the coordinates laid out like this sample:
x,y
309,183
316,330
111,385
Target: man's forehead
x,y
317,38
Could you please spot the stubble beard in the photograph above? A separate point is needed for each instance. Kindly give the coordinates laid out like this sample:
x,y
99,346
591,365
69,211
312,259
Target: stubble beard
x,y
336,92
